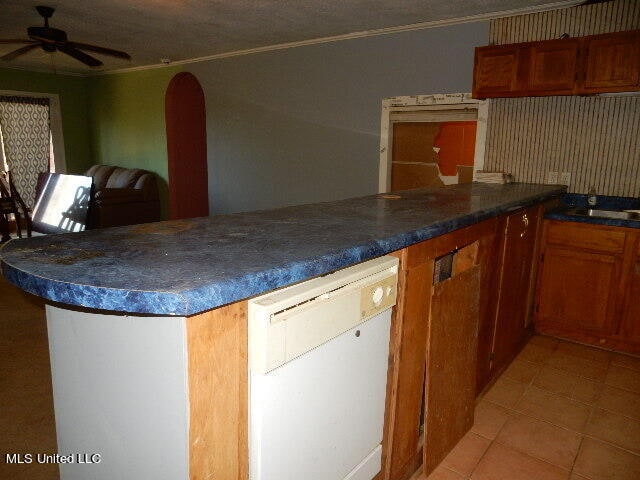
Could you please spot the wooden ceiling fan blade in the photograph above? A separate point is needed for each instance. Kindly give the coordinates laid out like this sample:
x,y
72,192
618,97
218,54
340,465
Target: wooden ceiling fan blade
x,y
102,50
20,51
80,56
40,39
15,40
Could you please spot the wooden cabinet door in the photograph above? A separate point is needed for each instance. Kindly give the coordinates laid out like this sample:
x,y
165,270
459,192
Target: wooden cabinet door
x,y
450,390
553,66
630,326
611,63
577,289
496,71
489,256
514,288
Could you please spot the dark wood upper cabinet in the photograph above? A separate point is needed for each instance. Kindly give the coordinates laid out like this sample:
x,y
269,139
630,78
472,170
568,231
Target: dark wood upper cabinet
x,y
585,65
553,67
496,70
611,62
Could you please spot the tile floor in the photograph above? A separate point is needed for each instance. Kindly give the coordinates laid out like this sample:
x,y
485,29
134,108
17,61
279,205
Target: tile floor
x,y
561,411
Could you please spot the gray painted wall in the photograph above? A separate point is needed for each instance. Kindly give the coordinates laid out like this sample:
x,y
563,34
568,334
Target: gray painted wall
x,y
302,125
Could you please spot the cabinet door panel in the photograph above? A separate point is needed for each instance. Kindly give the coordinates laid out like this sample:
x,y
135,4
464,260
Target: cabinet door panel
x,y
496,70
489,260
553,66
451,360
577,289
612,61
630,326
513,304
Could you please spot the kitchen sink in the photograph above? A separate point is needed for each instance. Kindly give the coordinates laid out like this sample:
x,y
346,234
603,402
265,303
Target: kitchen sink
x,y
615,214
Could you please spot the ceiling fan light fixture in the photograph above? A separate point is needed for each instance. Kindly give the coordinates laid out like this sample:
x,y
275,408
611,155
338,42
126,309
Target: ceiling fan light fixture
x,y
55,40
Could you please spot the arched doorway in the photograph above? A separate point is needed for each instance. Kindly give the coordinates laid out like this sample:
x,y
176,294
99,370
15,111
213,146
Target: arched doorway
x,y
185,117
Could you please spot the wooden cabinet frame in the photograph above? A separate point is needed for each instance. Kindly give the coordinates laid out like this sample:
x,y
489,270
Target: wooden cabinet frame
x,y
603,63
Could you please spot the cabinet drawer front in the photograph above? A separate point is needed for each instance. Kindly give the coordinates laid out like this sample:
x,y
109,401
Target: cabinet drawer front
x,y
585,236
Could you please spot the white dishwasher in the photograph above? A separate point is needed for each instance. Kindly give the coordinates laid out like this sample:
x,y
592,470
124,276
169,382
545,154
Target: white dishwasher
x,y
318,355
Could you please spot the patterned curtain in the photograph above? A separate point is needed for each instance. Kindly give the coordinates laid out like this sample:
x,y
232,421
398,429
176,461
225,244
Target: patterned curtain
x,y
26,137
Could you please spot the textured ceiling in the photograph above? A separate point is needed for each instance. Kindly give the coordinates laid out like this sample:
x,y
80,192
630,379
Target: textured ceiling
x,y
183,29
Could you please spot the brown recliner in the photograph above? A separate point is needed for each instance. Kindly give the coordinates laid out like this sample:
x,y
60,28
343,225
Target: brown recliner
x,y
122,196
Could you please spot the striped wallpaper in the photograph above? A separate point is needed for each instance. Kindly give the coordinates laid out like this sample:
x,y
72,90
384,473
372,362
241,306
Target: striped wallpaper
x,y
596,139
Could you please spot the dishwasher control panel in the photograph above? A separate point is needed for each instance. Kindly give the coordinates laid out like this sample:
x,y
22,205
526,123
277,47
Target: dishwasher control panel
x,y
377,297
290,322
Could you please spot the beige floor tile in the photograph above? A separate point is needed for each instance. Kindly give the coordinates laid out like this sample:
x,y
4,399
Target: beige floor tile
x,y
600,461
594,354
614,428
541,440
558,410
489,419
620,401
544,341
624,378
535,353
466,454
506,392
567,384
628,361
443,473
503,463
521,371
578,366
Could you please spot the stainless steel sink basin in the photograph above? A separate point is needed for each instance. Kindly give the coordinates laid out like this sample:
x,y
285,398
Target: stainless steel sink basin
x,y
594,212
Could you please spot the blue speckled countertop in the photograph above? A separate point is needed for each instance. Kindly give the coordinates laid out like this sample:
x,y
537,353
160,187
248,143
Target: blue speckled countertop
x,y
189,266
571,200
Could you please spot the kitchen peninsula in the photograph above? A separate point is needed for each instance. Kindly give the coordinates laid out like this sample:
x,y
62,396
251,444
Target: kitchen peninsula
x,y
147,323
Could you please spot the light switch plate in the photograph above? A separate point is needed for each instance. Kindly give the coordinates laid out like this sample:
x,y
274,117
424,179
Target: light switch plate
x,y
565,178
552,178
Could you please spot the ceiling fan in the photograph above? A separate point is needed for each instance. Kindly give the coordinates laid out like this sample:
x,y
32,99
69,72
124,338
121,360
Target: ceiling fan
x,y
53,39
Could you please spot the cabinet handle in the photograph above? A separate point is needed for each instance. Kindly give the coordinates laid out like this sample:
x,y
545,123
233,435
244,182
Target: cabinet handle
x,y
637,269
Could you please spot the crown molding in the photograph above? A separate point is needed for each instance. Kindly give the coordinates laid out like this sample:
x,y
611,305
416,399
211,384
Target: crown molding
x,y
336,38
46,70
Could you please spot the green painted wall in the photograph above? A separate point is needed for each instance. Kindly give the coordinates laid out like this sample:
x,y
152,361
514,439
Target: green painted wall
x,y
73,94
126,116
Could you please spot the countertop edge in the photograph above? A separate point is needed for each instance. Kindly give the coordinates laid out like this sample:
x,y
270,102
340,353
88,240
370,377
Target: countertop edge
x,y
197,300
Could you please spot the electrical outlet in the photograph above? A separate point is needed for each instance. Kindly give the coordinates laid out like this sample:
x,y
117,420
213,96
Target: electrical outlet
x,y
552,178
565,178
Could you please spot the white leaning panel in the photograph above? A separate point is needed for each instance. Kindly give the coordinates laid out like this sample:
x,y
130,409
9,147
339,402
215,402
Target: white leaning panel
x,y
120,390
